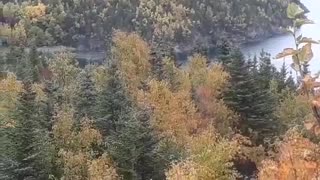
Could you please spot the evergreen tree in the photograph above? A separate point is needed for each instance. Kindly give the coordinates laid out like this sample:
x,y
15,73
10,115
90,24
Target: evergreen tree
x,y
86,99
291,83
30,140
249,98
284,81
265,70
129,139
156,65
224,53
34,63
112,101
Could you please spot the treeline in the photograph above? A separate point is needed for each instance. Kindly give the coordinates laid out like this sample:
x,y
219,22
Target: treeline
x,y
140,115
130,119
74,22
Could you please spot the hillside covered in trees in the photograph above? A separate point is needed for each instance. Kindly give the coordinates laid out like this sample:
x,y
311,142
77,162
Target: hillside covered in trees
x,y
139,114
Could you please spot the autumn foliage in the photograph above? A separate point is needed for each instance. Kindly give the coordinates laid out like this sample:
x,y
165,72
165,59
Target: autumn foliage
x,y
297,159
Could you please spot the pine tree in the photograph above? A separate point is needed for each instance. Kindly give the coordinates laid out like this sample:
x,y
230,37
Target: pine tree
x,y
30,140
87,97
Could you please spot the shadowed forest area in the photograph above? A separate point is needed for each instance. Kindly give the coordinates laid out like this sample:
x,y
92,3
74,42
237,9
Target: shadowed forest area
x,y
95,90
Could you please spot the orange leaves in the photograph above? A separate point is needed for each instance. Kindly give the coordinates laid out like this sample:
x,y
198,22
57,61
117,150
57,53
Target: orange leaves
x,y
298,159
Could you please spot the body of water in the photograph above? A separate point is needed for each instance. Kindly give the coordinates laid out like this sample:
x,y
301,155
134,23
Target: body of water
x,y
277,44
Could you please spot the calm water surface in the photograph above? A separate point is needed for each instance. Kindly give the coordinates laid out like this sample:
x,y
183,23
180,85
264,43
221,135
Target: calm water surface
x,y
277,44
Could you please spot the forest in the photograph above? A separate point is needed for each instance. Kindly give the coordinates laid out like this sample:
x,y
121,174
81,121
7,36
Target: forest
x,y
143,114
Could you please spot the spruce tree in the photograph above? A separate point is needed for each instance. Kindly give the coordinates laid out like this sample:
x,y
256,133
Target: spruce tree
x,y
224,51
262,120
265,74
239,93
112,101
34,64
156,63
87,97
250,99
30,139
291,83
128,137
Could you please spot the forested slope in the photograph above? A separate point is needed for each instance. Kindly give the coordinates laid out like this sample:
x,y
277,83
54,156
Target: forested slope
x,y
139,115
91,23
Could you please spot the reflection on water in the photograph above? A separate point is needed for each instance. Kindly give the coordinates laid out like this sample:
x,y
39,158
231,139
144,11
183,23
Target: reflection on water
x,y
277,44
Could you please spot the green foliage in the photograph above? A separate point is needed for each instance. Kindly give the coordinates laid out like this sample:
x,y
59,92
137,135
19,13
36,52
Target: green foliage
x,y
87,95
153,119
70,22
302,53
249,95
31,150
293,111
128,137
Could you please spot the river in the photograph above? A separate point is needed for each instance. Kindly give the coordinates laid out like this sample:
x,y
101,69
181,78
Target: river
x,y
276,44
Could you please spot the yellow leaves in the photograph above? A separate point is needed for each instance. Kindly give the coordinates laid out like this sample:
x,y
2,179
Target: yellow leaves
x,y
10,87
208,83
16,36
63,128
40,94
212,77
209,159
75,149
102,169
186,170
132,54
88,135
35,12
305,54
174,113
68,138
